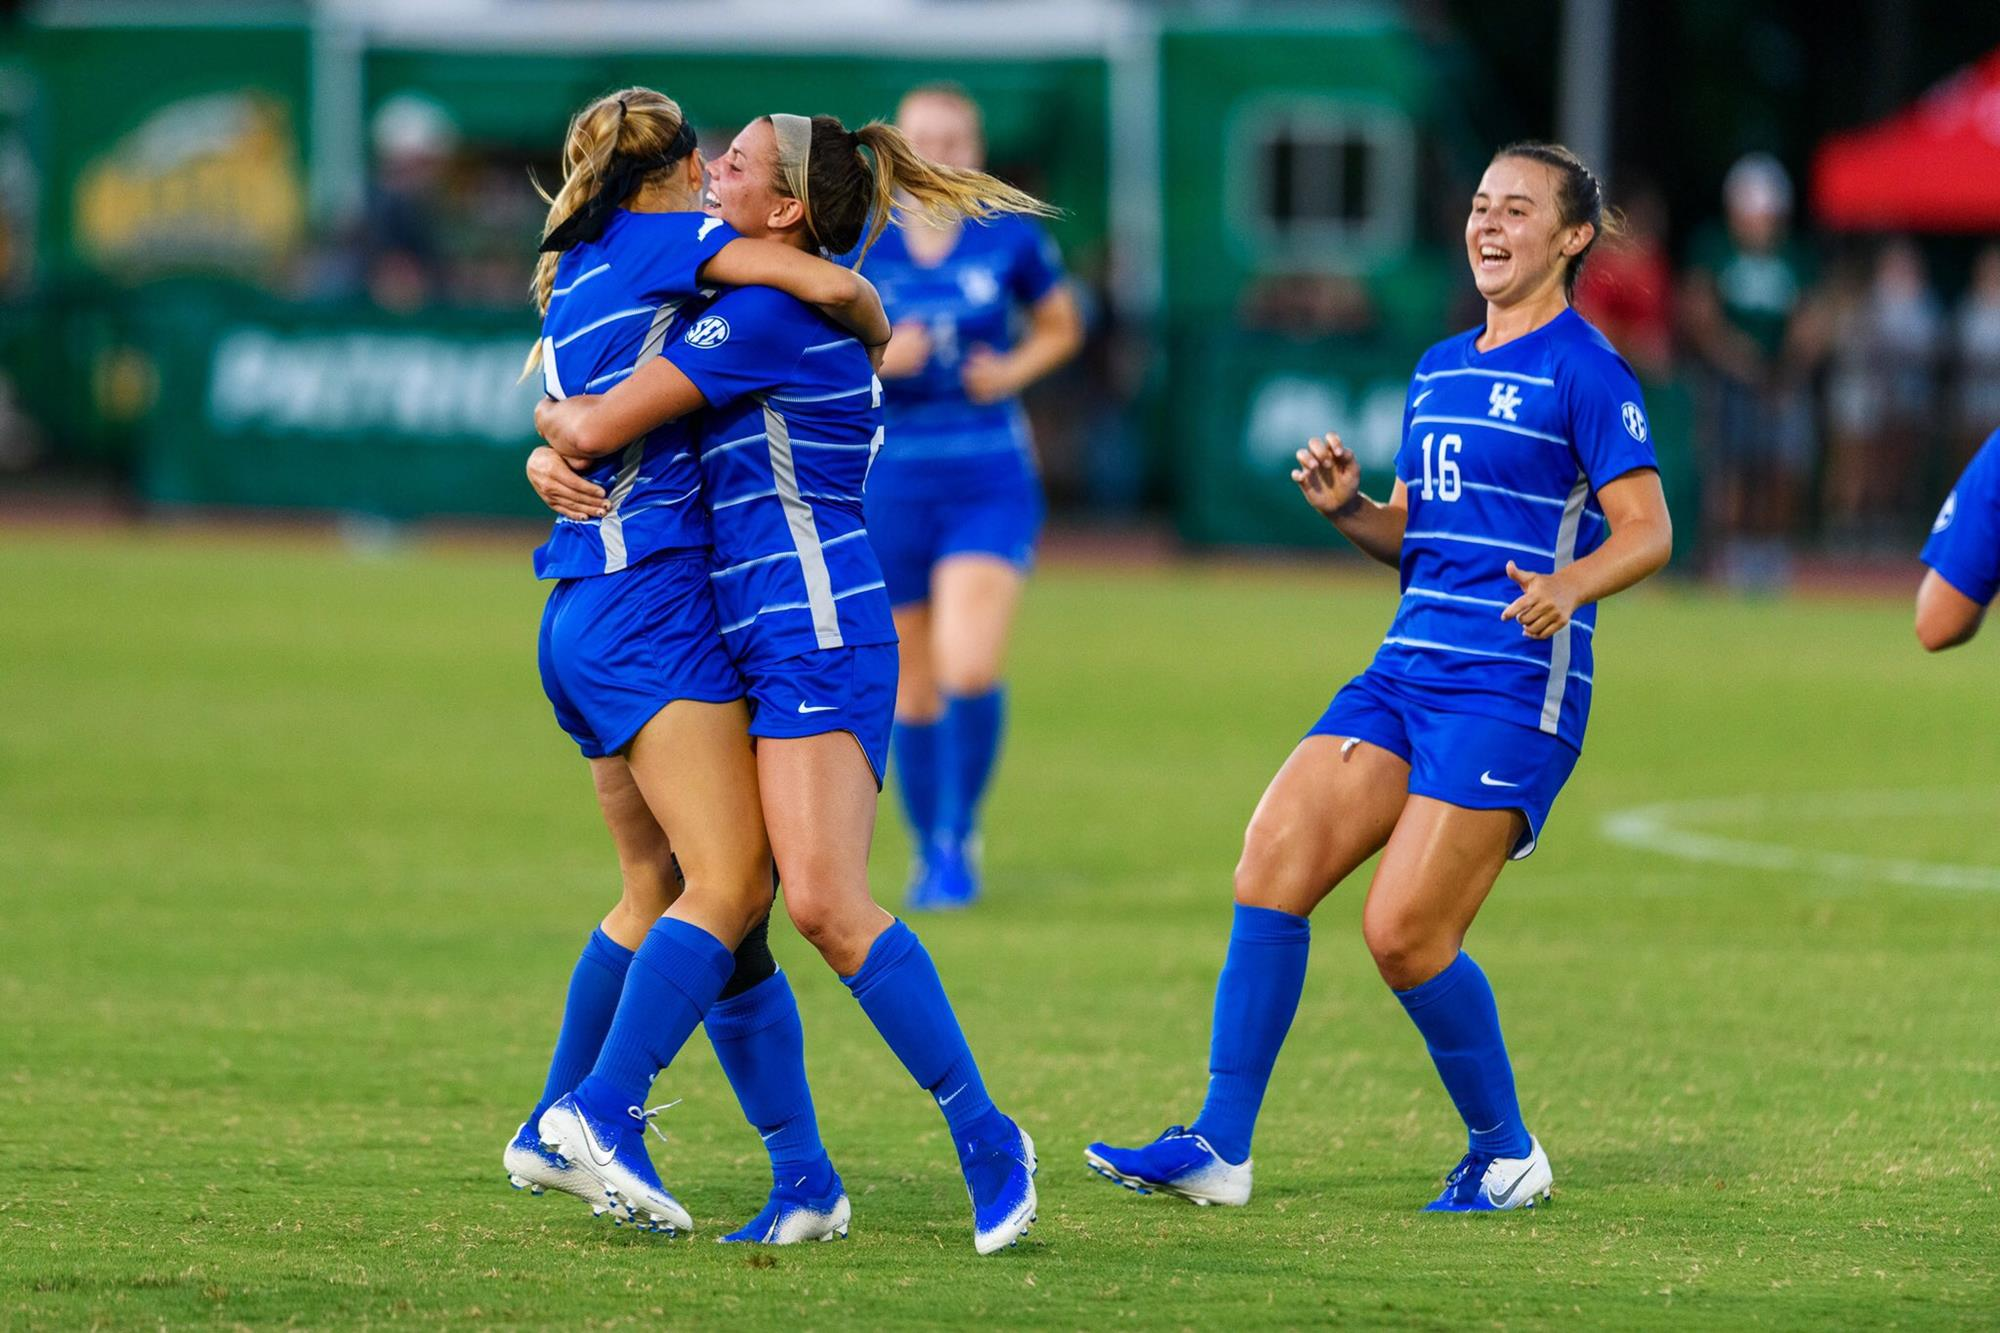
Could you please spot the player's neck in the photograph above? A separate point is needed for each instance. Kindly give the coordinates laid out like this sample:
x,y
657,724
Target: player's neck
x,y
1505,323
929,245
663,198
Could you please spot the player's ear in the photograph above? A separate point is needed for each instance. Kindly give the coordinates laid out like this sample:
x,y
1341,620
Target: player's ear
x,y
1579,237
788,213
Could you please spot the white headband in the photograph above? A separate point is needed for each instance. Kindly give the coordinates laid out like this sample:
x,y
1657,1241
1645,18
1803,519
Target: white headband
x,y
795,135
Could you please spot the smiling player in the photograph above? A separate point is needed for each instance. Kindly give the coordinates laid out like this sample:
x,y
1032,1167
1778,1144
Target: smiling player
x,y
1526,491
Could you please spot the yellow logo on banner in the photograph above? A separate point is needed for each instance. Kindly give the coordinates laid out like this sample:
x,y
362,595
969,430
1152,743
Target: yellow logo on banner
x,y
209,180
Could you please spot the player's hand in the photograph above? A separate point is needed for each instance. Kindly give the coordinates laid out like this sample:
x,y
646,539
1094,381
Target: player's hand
x,y
1544,606
561,489
1328,475
909,351
988,376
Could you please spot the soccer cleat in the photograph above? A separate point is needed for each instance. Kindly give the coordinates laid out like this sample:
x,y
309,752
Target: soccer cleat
x,y
1000,1177
950,881
791,1217
615,1173
1179,1162
1494,1184
534,1168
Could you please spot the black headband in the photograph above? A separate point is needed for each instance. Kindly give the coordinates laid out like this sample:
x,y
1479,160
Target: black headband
x,y
621,178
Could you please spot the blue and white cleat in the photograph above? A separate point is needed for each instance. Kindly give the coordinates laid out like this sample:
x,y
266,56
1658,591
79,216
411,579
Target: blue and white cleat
x,y
1180,1162
616,1175
1000,1177
532,1167
950,879
1496,1184
791,1217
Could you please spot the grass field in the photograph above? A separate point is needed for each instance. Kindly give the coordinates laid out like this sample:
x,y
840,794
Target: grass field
x,y
294,864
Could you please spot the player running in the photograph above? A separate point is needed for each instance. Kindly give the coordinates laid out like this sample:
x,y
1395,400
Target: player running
x,y
1526,492
1963,554
955,499
792,417
633,661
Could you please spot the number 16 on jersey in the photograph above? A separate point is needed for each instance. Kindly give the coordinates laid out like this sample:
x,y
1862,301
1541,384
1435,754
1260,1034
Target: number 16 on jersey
x,y
1444,484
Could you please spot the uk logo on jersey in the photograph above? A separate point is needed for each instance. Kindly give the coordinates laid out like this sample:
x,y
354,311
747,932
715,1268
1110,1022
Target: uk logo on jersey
x,y
709,331
1635,422
1505,401
979,285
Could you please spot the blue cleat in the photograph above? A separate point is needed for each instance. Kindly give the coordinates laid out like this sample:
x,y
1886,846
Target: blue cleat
x,y
791,1217
949,881
1495,1184
1180,1162
1000,1177
614,1173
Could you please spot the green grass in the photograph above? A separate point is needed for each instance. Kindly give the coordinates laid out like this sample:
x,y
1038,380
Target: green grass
x,y
294,863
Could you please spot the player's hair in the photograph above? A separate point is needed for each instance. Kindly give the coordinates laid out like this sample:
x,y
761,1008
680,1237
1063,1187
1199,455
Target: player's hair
x,y
1579,199
636,123
858,180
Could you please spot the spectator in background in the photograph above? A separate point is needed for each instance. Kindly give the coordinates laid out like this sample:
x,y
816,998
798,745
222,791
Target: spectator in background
x,y
1882,392
1627,291
1976,357
1750,325
415,142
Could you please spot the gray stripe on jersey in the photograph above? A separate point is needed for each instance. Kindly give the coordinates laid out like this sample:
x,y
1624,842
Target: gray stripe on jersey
x,y
1552,699
612,526
805,536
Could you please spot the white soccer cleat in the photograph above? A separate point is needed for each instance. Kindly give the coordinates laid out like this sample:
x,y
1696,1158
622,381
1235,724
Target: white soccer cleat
x,y
1496,1184
613,1160
1179,1162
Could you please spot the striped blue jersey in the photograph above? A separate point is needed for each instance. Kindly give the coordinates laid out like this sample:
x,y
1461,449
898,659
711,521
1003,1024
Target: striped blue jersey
x,y
1964,545
608,314
794,418
973,297
1502,455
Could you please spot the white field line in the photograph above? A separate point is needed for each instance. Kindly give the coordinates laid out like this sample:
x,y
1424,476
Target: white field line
x,y
1663,828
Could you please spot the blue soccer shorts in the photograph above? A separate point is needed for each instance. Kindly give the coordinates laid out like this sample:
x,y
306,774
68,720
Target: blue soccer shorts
x,y
828,690
617,648
1463,759
913,526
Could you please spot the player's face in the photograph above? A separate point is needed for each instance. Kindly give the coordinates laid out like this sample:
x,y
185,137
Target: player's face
x,y
1514,237
740,181
943,129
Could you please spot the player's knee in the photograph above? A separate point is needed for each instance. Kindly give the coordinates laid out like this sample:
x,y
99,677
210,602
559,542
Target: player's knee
x,y
959,679
1275,870
1403,945
818,910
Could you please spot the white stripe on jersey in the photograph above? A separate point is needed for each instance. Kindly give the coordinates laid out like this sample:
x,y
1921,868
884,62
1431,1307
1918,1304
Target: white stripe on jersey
x,y
1478,541
1492,424
786,555
805,535
821,397
1552,698
611,318
581,278
1490,374
796,606
1512,495
827,347
1434,595
1434,646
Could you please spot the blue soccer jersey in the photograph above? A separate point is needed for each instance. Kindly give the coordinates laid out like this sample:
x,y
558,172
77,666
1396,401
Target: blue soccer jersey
x,y
971,298
794,418
608,314
1502,455
1964,545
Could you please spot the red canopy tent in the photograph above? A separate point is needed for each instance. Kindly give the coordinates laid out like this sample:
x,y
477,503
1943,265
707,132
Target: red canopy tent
x,y
1935,166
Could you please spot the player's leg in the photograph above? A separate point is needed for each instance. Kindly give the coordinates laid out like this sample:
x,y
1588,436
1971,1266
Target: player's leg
x,y
820,795
918,737
693,764
975,596
1329,809
1439,866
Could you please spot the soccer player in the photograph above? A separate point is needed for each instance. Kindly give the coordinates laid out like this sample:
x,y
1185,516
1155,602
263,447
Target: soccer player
x,y
1526,492
1963,554
633,661
791,416
955,500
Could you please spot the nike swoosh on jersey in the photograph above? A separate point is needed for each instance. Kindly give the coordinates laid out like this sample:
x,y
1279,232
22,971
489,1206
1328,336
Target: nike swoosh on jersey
x,y
818,708
1487,779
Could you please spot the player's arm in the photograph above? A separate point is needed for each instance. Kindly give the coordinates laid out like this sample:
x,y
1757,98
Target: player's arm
x,y
845,297
1329,476
1053,336
593,425
1946,617
1641,540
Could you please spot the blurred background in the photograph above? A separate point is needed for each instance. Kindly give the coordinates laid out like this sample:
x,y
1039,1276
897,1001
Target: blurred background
x,y
273,255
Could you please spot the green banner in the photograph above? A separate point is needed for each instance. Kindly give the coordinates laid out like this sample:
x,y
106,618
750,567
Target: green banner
x,y
263,404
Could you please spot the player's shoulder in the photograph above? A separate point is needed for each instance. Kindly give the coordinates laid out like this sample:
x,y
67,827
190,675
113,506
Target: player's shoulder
x,y
1448,353
627,228
1584,357
1984,469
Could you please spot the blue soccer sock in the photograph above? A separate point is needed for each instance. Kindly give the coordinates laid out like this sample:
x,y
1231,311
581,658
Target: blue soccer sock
x,y
594,988
916,758
1263,976
975,722
673,982
762,1048
899,990
1455,1012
